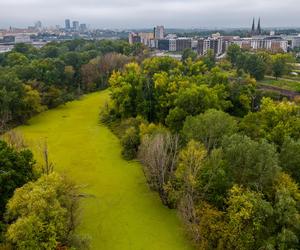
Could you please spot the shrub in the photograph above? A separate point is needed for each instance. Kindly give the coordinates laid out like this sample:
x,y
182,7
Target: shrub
x,y
130,143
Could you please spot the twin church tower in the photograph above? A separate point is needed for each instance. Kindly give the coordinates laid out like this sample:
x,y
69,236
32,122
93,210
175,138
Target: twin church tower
x,y
257,31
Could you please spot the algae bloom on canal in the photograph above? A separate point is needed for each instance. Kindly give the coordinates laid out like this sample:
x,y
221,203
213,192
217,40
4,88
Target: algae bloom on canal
x,y
122,212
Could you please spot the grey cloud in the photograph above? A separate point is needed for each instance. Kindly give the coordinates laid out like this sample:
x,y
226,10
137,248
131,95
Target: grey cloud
x,y
145,13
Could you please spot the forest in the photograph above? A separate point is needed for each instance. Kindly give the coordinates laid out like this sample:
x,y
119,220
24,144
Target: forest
x,y
33,80
214,146
217,148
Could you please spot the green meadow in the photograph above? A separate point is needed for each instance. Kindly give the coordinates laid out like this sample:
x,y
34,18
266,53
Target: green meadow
x,y
122,213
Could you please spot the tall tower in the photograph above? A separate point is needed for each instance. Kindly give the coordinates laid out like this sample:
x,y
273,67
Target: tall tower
x,y
258,27
253,27
159,32
67,24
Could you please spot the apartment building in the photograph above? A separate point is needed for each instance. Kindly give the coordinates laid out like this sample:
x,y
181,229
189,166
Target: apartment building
x,y
216,44
273,43
183,43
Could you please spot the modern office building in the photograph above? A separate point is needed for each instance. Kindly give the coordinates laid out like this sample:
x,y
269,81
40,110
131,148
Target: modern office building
x,y
75,26
163,44
83,27
38,25
67,24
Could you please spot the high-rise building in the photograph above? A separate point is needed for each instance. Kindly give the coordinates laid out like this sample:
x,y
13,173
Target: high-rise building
x,y
67,24
75,26
159,32
38,25
83,27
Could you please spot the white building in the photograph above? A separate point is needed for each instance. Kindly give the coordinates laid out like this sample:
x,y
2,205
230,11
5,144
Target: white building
x,y
146,38
295,42
172,45
22,38
267,43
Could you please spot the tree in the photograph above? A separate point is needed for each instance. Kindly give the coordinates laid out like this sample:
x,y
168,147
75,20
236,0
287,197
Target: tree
x,y
215,179
255,66
197,99
158,153
286,199
124,90
246,217
16,58
252,164
190,163
159,64
274,121
32,102
281,64
188,53
209,59
47,218
16,169
175,119
233,53
12,93
290,158
209,128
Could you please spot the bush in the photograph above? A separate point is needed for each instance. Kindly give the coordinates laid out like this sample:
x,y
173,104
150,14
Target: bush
x,y
130,143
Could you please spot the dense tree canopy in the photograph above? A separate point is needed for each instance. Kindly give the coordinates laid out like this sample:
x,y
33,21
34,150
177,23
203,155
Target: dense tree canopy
x,y
46,218
34,79
16,169
214,147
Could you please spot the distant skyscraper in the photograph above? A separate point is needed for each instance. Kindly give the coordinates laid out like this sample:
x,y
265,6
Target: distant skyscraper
x,y
83,27
67,24
159,32
76,25
38,25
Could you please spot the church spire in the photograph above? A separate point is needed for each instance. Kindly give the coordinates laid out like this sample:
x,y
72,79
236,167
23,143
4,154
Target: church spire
x,y
258,27
253,27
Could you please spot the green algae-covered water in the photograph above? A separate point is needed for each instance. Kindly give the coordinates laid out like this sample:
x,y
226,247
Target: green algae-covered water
x,y
122,212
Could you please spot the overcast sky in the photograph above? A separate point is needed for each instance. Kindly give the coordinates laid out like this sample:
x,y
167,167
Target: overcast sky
x,y
146,13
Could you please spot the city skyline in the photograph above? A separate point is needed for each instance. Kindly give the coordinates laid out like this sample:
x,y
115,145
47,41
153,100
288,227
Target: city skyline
x,y
119,14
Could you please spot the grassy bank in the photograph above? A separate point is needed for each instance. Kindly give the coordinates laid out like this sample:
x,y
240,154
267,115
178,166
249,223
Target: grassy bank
x,y
287,84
